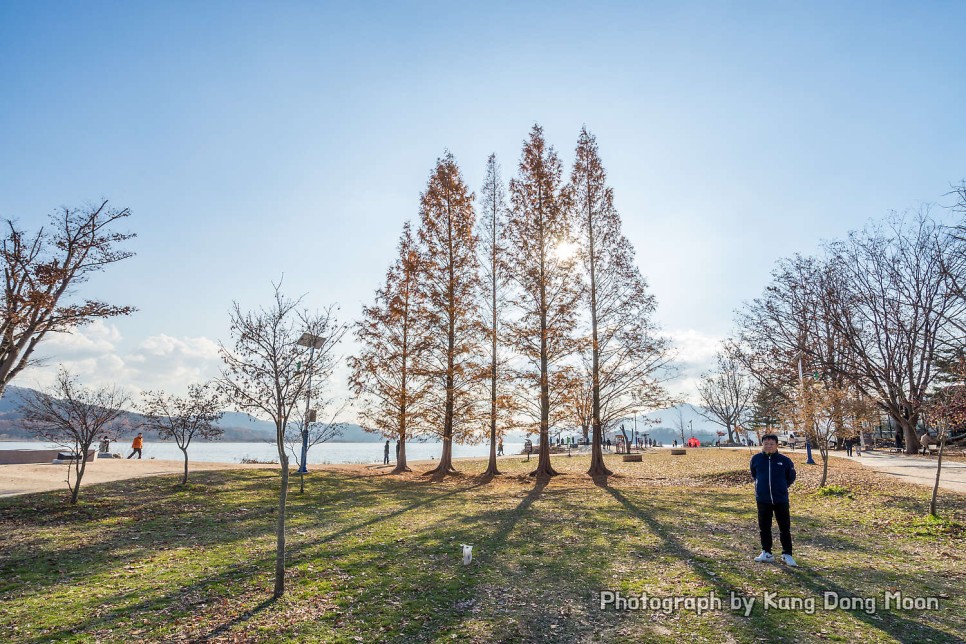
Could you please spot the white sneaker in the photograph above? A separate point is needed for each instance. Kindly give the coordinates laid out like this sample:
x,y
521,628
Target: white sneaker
x,y
788,560
764,557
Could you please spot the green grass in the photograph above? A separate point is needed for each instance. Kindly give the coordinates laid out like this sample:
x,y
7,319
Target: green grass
x,y
835,490
377,558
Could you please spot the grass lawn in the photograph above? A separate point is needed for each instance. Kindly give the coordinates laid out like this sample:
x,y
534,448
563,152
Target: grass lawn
x,y
377,558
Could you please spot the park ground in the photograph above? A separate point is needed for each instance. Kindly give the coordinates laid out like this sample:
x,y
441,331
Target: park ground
x,y
374,557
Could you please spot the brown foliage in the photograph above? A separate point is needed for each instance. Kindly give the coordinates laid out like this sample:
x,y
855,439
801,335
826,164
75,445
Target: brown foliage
x,y
393,339
450,287
546,291
41,272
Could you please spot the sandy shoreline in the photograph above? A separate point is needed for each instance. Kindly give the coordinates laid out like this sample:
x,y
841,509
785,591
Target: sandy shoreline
x,y
29,478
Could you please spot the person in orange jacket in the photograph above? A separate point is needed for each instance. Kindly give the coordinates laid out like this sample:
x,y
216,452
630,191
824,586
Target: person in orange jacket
x,y
137,445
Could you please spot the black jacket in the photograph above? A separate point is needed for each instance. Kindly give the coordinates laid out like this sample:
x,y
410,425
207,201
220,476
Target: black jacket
x,y
773,473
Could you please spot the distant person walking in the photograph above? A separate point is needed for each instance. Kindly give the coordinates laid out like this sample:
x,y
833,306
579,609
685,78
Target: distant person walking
x,y
137,445
385,454
105,446
773,474
849,442
499,448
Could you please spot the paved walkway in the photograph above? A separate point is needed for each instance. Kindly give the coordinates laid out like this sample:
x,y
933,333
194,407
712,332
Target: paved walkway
x,y
920,470
915,469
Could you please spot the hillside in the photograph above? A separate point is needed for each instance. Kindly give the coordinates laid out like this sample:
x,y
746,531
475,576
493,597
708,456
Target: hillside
x,y
238,427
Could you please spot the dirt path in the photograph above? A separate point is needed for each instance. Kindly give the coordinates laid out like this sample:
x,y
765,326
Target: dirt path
x,y
44,477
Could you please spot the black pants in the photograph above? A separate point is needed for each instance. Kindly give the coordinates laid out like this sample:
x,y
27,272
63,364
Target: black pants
x,y
136,450
385,459
780,510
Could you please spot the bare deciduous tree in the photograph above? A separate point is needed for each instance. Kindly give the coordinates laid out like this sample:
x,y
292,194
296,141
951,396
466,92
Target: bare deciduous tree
x,y
41,273
726,393
73,416
316,432
267,372
893,308
184,418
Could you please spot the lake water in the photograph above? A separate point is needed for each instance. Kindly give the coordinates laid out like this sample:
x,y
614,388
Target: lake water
x,y
219,452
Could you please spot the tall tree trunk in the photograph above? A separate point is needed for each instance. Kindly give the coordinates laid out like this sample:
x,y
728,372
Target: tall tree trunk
x,y
939,469
491,468
280,531
909,435
446,458
544,468
597,467
184,478
401,465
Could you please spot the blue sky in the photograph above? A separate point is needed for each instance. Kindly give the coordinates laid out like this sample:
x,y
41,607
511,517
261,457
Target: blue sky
x,y
255,139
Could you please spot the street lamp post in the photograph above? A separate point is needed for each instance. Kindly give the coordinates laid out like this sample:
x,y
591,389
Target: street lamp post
x,y
313,342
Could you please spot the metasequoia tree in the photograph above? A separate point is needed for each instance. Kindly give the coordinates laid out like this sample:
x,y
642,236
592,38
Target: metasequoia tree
x,y
546,288
41,272
492,251
625,352
392,336
268,370
184,418
449,283
892,306
73,416
726,393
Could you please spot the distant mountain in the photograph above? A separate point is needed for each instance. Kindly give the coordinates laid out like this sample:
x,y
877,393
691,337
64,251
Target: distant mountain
x,y
238,427
241,427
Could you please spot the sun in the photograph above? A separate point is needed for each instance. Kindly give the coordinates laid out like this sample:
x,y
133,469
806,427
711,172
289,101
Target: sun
x,y
564,250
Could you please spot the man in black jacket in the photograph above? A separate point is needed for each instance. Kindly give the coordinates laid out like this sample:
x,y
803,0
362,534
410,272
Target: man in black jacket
x,y
773,473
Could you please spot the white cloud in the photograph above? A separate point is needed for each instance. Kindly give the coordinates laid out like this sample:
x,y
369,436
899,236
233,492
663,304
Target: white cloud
x,y
695,355
96,354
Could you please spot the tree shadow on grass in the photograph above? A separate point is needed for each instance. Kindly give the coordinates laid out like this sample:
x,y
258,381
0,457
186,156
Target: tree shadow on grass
x,y
433,594
771,621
